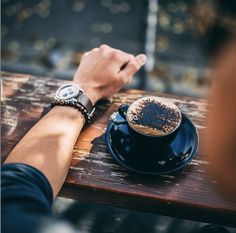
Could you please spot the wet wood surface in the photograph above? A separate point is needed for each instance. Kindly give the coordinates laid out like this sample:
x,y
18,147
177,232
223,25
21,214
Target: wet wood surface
x,y
95,177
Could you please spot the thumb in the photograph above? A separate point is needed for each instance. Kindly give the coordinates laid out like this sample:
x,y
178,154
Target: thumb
x,y
134,65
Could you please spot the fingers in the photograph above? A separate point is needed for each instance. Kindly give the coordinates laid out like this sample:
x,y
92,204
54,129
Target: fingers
x,y
132,67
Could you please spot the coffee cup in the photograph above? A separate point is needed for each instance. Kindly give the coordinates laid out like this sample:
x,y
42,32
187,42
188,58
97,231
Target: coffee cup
x,y
151,136
152,119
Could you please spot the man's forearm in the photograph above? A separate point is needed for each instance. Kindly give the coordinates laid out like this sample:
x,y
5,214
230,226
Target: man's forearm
x,y
48,145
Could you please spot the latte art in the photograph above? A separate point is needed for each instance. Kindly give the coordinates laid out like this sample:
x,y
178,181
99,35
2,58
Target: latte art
x,y
153,116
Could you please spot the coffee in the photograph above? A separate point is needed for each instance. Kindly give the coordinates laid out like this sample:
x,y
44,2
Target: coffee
x,y
153,116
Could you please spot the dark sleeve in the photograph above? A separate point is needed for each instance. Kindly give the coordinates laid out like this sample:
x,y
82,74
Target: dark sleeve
x,y
26,202
26,198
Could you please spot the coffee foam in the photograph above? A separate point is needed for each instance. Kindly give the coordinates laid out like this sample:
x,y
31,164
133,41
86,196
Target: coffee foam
x,y
153,116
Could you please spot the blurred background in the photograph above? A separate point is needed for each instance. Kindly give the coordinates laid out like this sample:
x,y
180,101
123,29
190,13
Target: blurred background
x,y
48,38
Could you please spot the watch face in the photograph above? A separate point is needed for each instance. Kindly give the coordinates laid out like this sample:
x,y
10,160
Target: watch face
x,y
67,91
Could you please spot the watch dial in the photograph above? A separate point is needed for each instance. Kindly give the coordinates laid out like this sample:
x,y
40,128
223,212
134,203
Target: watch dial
x,y
68,92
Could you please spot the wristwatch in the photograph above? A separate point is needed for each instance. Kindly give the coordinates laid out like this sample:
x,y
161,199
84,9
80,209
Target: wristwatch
x,y
72,95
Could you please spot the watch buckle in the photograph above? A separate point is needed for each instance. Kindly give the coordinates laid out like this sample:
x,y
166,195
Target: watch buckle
x,y
91,113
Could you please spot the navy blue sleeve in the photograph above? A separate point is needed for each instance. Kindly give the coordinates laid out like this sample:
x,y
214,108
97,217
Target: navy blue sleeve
x,y
26,198
27,201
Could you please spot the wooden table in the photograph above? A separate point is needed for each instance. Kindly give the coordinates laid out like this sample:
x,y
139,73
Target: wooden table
x,y
93,174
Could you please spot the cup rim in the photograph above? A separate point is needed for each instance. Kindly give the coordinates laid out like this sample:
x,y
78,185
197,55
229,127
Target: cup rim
x,y
155,136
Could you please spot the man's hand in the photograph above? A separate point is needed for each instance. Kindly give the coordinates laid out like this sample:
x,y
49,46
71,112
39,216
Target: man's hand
x,y
104,70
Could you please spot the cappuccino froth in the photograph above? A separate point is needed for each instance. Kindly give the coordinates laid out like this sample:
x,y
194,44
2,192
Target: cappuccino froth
x,y
153,116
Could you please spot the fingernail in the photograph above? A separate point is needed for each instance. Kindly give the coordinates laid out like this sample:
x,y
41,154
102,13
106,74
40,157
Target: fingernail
x,y
141,59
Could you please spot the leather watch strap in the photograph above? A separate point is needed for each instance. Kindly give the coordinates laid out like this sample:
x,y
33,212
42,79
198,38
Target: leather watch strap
x,y
85,101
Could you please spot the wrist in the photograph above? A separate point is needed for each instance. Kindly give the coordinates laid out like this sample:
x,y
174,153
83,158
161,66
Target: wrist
x,y
92,96
66,112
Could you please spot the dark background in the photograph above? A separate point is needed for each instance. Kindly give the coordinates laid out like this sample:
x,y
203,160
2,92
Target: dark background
x,y
46,37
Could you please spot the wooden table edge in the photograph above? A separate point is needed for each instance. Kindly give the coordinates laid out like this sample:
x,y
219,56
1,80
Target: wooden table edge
x,y
132,201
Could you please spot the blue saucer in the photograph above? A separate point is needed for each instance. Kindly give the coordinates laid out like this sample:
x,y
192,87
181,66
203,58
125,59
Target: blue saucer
x,y
153,158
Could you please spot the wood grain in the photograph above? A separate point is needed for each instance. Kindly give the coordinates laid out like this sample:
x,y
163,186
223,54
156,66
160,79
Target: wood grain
x,y
95,177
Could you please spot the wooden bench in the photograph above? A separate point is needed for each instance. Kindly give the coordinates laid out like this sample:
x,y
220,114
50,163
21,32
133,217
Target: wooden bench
x,y
95,177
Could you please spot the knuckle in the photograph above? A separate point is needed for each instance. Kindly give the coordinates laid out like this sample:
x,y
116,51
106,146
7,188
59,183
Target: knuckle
x,y
94,50
114,54
134,66
104,47
131,57
84,55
